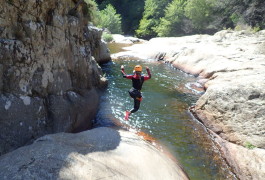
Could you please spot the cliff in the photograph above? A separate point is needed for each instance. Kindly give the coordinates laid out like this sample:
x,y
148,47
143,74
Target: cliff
x,y
49,73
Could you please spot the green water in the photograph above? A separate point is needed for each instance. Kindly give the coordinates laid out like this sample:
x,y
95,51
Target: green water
x,y
164,115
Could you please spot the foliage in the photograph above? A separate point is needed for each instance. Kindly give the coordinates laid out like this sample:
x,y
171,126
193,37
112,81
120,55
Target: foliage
x,y
92,11
153,11
235,17
131,12
199,12
256,29
107,37
171,24
110,19
151,18
249,145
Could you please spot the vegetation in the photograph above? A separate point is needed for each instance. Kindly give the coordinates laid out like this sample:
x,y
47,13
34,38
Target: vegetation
x,y
153,11
173,21
151,18
200,12
108,18
249,145
107,37
130,11
92,11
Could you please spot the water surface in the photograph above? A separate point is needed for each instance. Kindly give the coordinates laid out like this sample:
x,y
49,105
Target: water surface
x,y
164,115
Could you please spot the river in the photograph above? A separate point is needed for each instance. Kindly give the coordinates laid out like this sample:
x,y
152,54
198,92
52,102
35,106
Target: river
x,y
163,115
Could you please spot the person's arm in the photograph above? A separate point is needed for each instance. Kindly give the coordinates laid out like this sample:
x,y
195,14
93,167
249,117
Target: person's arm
x,y
149,74
124,74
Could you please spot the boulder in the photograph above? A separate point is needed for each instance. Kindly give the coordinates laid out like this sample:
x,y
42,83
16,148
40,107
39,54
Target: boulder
x,y
118,38
95,154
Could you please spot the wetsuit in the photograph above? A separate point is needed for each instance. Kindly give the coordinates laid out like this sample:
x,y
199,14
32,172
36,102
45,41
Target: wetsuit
x,y
135,91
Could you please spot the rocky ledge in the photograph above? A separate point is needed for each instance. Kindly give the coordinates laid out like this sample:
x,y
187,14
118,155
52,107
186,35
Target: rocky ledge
x,y
101,153
231,67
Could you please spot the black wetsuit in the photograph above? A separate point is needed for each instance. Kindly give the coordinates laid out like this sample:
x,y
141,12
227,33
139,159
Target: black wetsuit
x,y
135,91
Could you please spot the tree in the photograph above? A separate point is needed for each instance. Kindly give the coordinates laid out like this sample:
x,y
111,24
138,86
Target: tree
x,y
199,12
153,11
171,24
130,11
110,19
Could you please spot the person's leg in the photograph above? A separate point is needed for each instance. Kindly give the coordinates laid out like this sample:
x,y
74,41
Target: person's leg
x,y
135,108
136,105
137,97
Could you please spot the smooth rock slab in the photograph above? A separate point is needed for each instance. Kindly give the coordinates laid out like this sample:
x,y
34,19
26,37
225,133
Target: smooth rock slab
x,y
101,153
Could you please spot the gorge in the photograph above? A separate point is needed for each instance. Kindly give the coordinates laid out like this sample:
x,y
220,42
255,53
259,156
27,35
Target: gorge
x,y
51,83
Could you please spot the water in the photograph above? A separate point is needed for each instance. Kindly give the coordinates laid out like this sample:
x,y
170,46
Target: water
x,y
164,115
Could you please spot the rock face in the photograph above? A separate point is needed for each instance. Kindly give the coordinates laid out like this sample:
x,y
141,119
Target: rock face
x,y
231,66
118,38
95,154
49,74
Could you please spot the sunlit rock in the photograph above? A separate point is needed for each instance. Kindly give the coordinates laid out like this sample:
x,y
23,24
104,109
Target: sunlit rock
x,y
95,154
231,66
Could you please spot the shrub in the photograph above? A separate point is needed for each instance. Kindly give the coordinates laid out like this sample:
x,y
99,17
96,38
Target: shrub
x,y
107,37
249,145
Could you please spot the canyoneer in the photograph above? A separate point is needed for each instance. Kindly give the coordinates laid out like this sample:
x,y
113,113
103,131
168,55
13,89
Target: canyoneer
x,y
137,83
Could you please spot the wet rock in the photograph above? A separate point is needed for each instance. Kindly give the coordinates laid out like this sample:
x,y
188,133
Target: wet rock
x,y
47,50
95,154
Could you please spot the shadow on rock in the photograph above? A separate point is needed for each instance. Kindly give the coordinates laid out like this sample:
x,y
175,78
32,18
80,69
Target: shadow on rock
x,y
50,155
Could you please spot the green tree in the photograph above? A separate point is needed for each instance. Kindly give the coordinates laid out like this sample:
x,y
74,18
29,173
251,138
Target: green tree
x,y
171,24
200,12
110,19
153,11
130,11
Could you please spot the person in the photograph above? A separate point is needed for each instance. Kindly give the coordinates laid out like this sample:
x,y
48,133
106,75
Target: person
x,y
137,83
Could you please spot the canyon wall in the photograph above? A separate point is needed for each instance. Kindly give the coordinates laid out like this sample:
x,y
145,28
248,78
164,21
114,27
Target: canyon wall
x,y
49,72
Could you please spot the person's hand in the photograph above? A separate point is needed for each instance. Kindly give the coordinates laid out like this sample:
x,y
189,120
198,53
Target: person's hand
x,y
122,67
147,68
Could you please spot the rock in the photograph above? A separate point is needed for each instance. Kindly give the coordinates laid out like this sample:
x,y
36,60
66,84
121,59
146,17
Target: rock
x,y
47,54
118,38
237,105
231,66
101,51
95,154
246,163
22,119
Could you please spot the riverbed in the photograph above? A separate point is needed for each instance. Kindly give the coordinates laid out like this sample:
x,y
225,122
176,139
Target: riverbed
x,y
164,115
